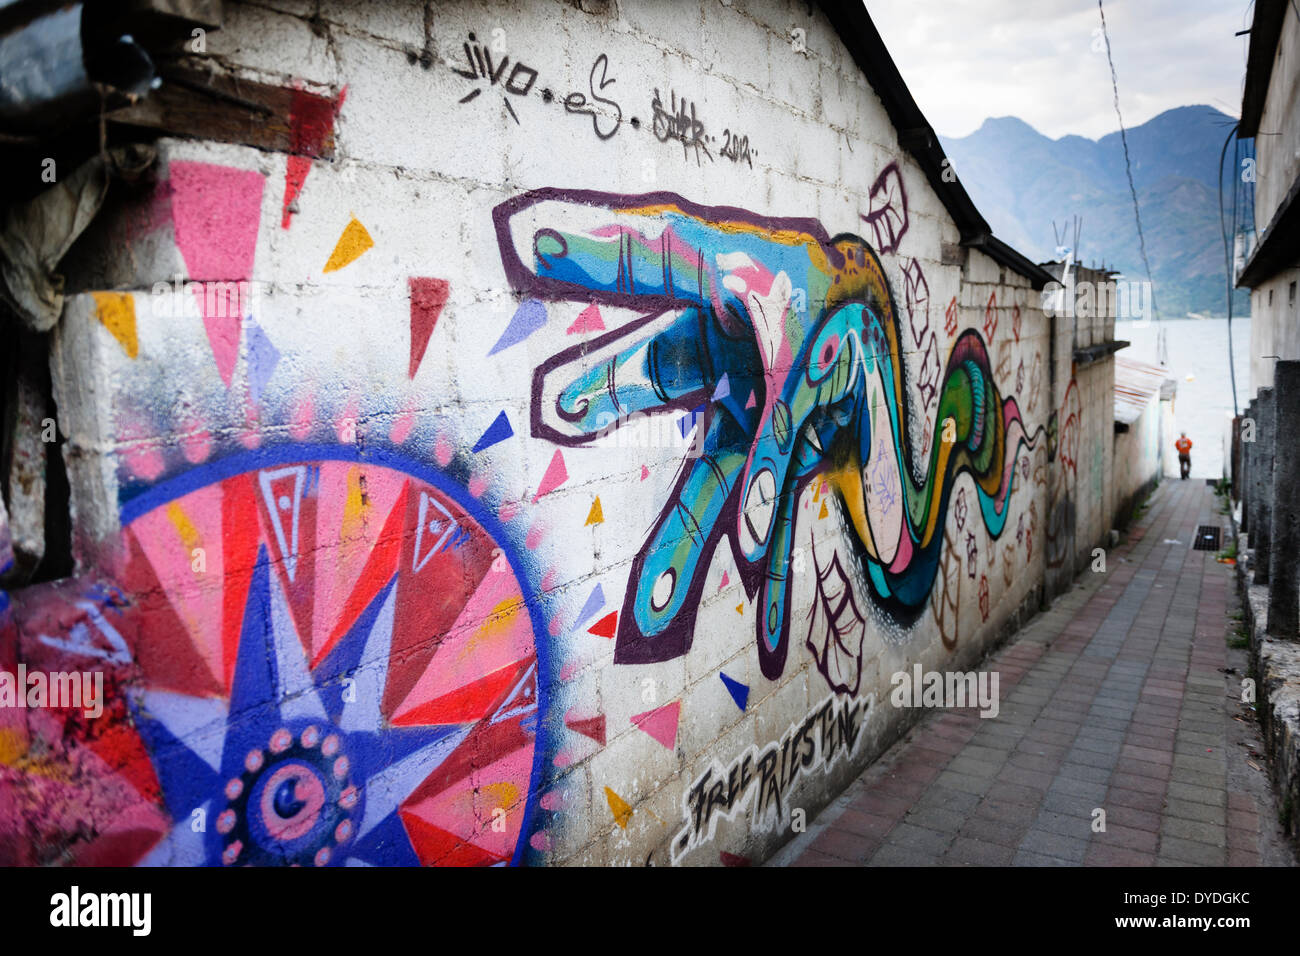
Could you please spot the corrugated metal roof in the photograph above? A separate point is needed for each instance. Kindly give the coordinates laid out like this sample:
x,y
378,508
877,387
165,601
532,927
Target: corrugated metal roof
x,y
1136,383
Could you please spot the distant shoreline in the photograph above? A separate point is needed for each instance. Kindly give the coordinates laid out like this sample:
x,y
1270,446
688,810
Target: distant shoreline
x,y
1191,318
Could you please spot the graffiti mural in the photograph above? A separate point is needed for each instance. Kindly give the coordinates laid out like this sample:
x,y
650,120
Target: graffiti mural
x,y
350,673
759,781
803,330
887,219
1063,449
367,512
836,628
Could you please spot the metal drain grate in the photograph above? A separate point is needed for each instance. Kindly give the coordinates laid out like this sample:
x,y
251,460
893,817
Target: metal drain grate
x,y
1207,538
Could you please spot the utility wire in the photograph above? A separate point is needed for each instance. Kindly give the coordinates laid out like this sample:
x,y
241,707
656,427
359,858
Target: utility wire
x,y
1227,253
1132,188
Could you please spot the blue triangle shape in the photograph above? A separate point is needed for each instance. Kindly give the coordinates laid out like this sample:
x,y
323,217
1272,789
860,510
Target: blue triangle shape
x,y
739,692
594,603
262,359
723,388
528,318
498,431
187,782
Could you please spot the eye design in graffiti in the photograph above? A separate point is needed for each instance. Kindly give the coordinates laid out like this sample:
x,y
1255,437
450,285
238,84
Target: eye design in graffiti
x,y
805,331
356,684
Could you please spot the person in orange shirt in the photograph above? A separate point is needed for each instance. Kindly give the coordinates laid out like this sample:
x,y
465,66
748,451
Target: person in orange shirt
x,y
1184,446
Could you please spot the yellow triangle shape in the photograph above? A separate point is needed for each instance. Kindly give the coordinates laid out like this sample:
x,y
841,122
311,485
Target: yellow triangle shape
x,y
619,807
824,512
740,609
595,515
116,312
354,241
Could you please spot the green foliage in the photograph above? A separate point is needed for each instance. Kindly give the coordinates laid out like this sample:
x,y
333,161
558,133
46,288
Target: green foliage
x,y
1238,639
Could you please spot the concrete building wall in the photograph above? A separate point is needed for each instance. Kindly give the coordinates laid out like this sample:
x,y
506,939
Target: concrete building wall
x,y
1137,459
1277,148
1084,495
1275,303
554,489
1274,324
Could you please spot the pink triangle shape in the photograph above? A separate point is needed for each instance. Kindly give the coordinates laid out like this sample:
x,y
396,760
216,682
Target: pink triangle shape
x,y
588,321
493,631
428,296
168,536
661,723
216,211
466,808
556,475
593,727
726,579
752,401
347,531
223,330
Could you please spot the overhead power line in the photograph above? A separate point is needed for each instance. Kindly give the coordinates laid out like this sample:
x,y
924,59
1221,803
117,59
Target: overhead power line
x,y
1227,251
1132,188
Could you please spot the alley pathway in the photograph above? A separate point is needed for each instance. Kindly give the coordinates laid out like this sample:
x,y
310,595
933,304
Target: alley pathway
x,y
1116,698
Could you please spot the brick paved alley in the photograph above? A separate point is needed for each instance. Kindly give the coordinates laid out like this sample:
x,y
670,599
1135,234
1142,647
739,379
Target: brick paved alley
x,y
1117,698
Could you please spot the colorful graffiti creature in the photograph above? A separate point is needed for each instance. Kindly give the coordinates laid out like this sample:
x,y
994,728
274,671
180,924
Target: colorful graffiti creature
x,y
802,331
349,675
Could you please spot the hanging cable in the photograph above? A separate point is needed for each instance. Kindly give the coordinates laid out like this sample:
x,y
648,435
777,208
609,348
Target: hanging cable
x,y
1227,251
1132,188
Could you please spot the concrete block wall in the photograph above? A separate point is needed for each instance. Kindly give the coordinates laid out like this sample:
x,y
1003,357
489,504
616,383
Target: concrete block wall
x,y
1278,150
1136,458
1095,459
374,555
1274,325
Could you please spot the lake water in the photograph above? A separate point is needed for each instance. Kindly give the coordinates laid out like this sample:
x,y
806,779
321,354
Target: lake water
x,y
1198,362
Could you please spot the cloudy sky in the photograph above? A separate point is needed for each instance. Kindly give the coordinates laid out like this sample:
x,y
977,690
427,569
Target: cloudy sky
x,y
966,60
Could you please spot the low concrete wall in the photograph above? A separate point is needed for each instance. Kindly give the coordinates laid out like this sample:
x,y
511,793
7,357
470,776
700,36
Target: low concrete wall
x,y
1275,665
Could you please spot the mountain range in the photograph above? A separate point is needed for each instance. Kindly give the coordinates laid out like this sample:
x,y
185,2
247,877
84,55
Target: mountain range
x,y
1022,181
